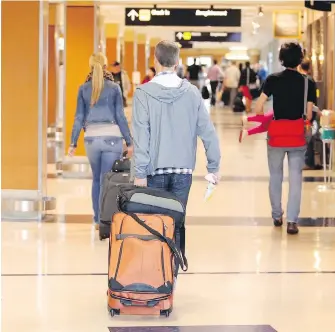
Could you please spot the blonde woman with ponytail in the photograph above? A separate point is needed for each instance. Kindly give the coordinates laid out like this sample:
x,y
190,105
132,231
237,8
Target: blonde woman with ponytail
x,y
100,113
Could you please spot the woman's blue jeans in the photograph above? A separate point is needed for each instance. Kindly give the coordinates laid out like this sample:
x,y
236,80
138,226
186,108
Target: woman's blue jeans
x,y
102,151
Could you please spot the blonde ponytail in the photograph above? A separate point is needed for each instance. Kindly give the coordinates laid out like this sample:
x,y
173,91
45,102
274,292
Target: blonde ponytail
x,y
98,63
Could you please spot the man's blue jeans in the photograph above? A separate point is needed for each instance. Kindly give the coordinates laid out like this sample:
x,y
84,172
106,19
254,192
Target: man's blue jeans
x,y
102,153
296,162
179,184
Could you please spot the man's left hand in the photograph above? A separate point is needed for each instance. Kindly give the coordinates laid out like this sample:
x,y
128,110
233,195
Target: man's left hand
x,y
141,182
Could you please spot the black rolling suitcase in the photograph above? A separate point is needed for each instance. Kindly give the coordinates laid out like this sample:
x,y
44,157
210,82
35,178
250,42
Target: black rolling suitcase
x,y
120,174
238,103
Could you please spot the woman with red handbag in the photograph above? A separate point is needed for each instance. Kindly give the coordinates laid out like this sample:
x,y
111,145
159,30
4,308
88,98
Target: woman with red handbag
x,y
293,98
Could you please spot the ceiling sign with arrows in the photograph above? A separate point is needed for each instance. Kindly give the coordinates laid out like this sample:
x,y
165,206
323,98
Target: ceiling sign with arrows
x,y
222,37
183,17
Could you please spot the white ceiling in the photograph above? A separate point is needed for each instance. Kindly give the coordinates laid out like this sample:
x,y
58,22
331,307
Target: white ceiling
x,y
116,13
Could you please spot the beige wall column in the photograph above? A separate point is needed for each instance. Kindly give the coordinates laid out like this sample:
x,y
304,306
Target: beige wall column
x,y
52,90
254,55
141,55
101,37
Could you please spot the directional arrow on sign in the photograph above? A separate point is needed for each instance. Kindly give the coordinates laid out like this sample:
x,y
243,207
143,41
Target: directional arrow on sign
x,y
180,35
133,14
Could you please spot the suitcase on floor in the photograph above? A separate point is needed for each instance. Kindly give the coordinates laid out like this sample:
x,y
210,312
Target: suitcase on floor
x,y
120,174
143,260
144,200
238,105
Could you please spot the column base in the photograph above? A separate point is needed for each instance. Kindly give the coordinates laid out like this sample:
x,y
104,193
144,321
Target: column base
x,y
74,168
25,205
55,133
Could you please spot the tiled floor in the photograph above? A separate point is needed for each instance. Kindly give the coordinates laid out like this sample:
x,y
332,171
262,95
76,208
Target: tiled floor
x,y
244,275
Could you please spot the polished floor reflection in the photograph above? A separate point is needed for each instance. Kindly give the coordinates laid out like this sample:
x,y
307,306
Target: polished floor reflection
x,y
244,275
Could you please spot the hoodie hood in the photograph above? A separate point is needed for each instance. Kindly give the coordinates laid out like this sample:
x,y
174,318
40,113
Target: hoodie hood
x,y
165,94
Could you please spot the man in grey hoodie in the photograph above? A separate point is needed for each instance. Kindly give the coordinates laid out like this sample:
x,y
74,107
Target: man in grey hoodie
x,y
168,116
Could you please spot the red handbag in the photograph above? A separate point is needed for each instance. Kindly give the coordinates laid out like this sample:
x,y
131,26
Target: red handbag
x,y
288,133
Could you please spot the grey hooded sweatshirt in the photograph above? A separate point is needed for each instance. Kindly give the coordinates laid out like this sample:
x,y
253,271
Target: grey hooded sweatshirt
x,y
166,123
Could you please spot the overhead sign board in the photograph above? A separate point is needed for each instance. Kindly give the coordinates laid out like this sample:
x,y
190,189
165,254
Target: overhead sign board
x,y
185,44
287,24
183,17
324,6
222,37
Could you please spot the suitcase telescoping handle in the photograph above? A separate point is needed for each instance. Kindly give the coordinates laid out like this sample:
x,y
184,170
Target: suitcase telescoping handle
x,y
177,255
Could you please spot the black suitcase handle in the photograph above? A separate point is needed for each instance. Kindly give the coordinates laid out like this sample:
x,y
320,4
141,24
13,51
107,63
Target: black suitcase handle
x,y
177,255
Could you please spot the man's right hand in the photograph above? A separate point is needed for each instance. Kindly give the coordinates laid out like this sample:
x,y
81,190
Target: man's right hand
x,y
130,151
213,178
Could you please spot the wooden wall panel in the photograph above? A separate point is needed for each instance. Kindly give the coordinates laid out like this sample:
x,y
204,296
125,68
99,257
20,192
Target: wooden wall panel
x,y
19,92
79,45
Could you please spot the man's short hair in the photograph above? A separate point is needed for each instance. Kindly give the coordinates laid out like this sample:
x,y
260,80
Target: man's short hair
x,y
167,53
291,55
306,65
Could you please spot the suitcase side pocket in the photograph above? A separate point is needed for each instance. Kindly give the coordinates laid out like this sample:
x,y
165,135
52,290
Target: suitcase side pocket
x,y
140,266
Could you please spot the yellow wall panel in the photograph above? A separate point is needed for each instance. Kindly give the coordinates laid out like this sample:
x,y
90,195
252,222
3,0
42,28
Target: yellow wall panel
x,y
152,56
19,92
111,50
128,61
141,57
79,47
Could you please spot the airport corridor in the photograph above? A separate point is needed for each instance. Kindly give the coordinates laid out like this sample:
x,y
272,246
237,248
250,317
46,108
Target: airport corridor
x,y
244,275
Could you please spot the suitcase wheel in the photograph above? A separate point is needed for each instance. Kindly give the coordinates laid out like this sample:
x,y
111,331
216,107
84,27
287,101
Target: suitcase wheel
x,y
165,313
113,312
103,237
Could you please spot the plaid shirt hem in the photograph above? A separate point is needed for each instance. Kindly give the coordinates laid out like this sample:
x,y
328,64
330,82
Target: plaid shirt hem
x,y
171,170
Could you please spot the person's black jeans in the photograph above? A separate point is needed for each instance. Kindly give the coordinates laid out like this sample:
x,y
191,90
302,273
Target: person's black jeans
x,y
214,86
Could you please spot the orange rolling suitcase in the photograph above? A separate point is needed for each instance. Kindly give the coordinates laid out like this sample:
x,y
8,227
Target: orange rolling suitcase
x,y
143,264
